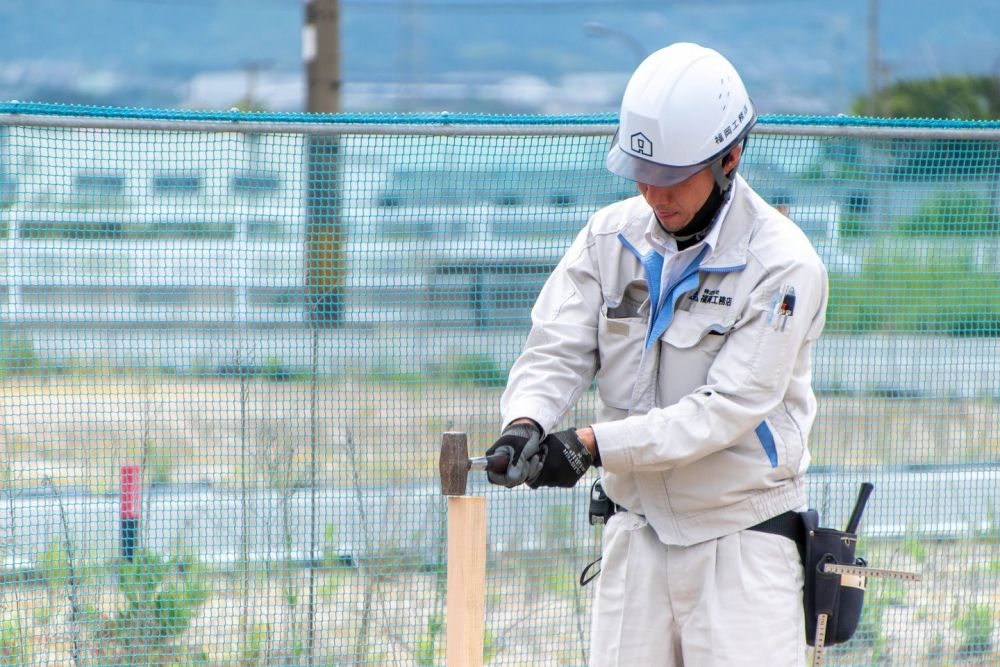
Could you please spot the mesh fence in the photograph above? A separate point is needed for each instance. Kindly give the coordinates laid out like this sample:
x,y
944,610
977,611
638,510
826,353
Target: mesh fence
x,y
231,344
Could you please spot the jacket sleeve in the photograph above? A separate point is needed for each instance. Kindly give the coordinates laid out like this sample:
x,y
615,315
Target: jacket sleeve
x,y
764,354
560,356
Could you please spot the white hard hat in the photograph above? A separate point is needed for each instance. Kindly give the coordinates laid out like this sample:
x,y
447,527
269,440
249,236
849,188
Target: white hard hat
x,y
684,108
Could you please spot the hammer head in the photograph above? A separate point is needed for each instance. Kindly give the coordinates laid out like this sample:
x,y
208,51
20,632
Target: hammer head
x,y
454,464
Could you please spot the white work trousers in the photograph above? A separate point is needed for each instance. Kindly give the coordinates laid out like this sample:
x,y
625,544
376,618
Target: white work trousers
x,y
732,601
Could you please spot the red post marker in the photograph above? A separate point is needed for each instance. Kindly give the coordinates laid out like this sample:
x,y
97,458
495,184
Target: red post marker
x,y
130,509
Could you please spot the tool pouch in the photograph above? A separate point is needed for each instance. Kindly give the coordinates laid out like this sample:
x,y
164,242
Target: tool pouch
x,y
840,597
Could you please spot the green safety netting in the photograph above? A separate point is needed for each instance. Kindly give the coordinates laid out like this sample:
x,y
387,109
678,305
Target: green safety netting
x,y
232,342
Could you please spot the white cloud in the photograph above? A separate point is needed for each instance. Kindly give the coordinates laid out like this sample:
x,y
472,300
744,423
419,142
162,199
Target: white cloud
x,y
274,91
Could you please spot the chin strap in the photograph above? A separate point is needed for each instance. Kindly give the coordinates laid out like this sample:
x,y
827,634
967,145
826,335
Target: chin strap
x,y
702,222
722,179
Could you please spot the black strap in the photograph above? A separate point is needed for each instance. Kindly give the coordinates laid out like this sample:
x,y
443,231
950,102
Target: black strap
x,y
788,525
584,578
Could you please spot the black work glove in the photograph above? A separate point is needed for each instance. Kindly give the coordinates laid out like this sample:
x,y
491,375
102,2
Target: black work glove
x,y
521,442
565,459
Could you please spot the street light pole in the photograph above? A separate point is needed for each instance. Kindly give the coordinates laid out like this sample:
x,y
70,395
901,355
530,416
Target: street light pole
x,y
597,29
874,66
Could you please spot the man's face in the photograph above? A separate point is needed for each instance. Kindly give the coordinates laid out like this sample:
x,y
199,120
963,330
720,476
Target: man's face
x,y
676,206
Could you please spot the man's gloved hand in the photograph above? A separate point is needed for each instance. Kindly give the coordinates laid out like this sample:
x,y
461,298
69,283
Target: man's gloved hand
x,y
565,459
520,442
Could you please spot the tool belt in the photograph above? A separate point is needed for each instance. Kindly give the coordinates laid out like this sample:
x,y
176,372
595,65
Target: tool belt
x,y
840,597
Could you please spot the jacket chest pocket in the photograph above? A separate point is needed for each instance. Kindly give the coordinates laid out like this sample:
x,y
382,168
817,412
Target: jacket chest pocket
x,y
621,332
687,351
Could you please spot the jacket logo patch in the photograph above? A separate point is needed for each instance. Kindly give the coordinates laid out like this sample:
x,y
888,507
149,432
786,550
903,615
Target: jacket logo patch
x,y
712,297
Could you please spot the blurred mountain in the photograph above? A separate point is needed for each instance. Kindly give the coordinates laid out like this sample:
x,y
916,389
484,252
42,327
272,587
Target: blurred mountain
x,y
473,55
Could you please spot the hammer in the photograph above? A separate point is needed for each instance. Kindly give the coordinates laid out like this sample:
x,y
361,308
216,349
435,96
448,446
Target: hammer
x,y
455,464
466,580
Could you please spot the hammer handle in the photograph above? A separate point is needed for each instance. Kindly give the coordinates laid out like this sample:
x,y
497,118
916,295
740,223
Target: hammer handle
x,y
495,463
859,507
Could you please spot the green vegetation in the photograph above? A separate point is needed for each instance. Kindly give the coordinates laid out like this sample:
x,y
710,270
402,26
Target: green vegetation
x,y
253,650
479,370
941,293
870,635
53,570
953,214
949,96
161,598
17,356
924,278
914,547
14,650
975,624
475,369
157,462
427,643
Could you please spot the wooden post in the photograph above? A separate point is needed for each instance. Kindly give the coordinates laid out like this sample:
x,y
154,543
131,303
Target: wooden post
x,y
465,618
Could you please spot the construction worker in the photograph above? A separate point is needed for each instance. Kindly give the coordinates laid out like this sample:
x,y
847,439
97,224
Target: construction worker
x,y
696,306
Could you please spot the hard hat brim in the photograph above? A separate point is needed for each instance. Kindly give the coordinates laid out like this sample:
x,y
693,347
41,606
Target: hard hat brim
x,y
647,172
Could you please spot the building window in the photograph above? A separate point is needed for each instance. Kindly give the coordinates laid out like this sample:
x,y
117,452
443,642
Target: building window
x,y
180,183
508,199
77,229
100,186
561,199
277,297
269,227
256,183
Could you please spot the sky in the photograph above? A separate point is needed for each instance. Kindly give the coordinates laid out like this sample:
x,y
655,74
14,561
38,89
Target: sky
x,y
797,56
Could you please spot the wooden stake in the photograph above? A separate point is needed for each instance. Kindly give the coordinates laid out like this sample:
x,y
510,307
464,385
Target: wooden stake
x,y
466,615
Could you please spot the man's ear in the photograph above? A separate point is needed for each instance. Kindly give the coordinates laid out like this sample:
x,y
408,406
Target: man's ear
x,y
733,159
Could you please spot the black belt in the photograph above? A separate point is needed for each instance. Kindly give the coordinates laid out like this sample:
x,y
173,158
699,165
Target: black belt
x,y
788,525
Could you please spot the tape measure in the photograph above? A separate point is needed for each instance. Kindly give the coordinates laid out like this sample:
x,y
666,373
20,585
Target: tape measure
x,y
860,574
819,651
854,570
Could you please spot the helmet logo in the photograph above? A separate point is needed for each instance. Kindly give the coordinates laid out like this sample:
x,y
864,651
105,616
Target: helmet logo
x,y
641,144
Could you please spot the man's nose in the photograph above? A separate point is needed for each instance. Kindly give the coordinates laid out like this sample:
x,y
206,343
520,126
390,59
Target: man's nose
x,y
658,195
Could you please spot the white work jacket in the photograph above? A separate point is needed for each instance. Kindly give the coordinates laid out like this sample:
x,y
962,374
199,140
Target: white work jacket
x,y
704,400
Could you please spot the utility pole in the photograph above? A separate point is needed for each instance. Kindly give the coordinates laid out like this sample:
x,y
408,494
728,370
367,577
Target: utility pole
x,y
321,51
874,68
325,233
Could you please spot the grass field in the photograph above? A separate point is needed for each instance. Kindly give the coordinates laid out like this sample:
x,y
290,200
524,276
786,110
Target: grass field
x,y
75,430
385,613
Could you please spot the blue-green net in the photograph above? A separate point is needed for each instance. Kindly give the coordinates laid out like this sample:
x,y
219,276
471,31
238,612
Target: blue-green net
x,y
231,344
